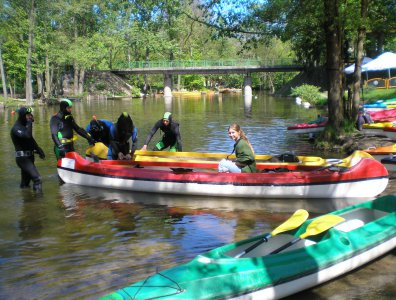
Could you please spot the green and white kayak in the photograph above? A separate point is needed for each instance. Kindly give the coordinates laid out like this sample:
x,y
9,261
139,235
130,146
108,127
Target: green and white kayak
x,y
297,255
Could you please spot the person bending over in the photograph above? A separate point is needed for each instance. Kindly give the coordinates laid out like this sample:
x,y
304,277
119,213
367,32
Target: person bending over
x,y
171,137
121,133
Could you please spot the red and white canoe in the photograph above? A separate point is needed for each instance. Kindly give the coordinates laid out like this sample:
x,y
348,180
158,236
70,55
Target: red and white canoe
x,y
365,177
304,128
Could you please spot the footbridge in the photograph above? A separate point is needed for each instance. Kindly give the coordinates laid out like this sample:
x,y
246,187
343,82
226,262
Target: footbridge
x,y
184,67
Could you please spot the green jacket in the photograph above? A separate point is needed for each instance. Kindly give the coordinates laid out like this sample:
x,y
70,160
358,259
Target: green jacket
x,y
244,157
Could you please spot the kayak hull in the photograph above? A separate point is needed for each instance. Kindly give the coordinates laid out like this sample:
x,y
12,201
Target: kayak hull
x,y
367,178
368,232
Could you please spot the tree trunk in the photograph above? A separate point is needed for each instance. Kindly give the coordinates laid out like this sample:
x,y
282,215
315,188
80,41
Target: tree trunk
x,y
81,81
48,79
76,68
3,76
29,88
11,90
333,33
75,79
357,75
40,86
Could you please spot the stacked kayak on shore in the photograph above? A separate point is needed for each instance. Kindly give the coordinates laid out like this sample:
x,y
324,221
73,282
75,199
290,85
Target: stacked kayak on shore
x,y
385,115
381,152
359,175
304,128
297,255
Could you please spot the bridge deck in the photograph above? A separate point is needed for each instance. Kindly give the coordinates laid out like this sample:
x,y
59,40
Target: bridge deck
x,y
207,67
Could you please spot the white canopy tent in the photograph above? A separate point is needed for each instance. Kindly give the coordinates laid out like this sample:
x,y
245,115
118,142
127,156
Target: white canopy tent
x,y
350,69
385,61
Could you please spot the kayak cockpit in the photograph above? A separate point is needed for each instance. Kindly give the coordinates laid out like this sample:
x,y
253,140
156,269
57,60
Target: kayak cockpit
x,y
354,219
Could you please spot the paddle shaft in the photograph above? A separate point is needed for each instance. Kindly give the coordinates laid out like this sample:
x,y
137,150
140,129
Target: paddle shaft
x,y
262,240
292,242
293,222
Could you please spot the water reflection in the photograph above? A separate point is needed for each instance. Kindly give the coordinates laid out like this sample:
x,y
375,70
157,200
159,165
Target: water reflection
x,y
168,103
247,100
197,204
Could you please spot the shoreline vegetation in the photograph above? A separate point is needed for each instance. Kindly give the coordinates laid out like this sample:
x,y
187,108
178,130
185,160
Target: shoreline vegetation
x,y
368,95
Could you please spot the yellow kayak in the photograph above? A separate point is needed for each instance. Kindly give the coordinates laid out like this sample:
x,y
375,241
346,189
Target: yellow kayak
x,y
211,160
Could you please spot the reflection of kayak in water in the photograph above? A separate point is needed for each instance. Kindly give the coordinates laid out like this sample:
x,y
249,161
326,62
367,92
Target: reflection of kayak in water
x,y
295,256
210,205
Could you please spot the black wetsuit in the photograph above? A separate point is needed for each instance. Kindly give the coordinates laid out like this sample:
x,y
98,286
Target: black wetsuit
x,y
62,125
25,145
171,136
123,131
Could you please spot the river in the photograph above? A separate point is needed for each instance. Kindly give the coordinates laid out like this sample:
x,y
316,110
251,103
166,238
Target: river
x,y
75,242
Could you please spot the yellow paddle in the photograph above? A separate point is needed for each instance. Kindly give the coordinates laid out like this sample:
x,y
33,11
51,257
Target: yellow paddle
x,y
317,226
293,222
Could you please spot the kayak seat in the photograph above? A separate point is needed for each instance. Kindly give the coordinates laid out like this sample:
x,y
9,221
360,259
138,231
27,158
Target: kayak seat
x,y
272,244
349,225
359,217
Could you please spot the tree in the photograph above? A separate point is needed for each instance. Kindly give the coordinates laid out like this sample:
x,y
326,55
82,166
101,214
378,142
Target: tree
x,y
334,65
3,77
357,74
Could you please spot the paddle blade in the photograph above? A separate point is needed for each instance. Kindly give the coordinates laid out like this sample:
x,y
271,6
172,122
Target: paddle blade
x,y
299,217
321,224
293,222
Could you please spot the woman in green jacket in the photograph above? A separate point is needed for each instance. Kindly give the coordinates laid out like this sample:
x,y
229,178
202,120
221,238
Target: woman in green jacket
x,y
245,161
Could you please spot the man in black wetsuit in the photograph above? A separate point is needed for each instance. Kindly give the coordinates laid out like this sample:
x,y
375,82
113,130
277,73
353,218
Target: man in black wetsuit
x,y
25,146
62,125
123,138
171,138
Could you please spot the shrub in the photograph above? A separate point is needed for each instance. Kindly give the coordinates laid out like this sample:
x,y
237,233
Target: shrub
x,y
308,93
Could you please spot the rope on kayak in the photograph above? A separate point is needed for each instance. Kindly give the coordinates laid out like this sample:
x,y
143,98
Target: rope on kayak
x,y
178,288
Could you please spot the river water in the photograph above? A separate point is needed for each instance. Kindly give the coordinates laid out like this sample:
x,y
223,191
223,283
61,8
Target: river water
x,y
75,242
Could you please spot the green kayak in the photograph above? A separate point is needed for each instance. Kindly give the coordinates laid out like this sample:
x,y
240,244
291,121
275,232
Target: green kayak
x,y
297,255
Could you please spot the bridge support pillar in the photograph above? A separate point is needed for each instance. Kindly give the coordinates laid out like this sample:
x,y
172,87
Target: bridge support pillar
x,y
167,85
247,86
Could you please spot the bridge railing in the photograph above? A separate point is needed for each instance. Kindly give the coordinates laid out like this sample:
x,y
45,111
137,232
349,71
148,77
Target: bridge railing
x,y
204,63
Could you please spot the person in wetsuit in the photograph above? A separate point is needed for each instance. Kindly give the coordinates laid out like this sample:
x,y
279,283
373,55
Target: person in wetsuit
x,y
62,125
99,130
25,146
245,159
121,133
171,137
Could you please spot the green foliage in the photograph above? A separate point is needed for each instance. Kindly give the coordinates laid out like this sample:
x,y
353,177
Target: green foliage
x,y
308,93
135,91
372,94
100,86
194,82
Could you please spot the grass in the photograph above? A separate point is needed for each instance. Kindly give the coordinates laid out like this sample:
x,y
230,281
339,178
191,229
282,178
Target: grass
x,y
372,95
